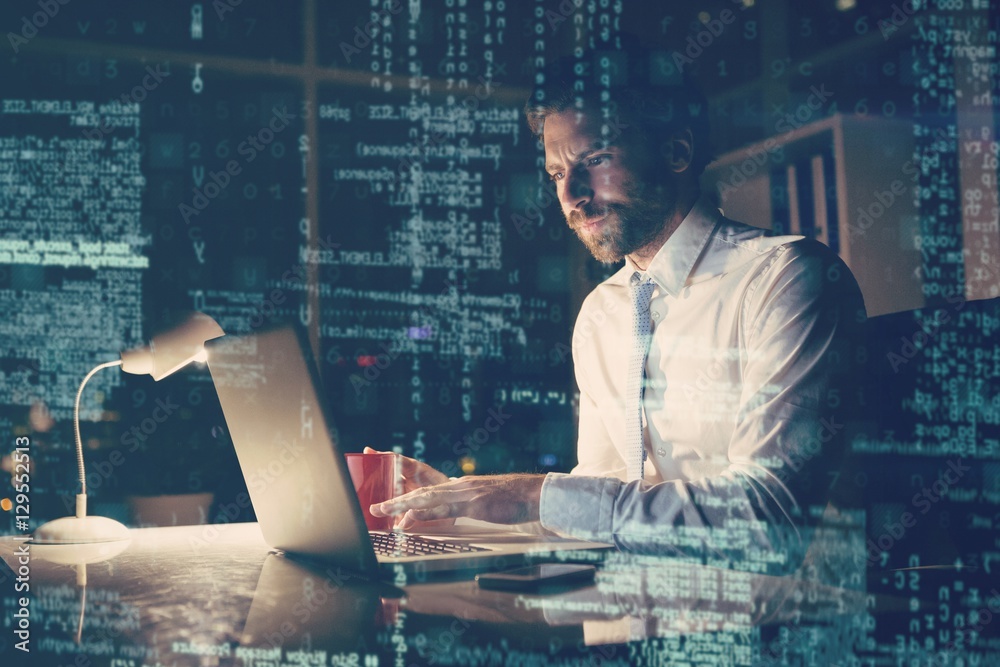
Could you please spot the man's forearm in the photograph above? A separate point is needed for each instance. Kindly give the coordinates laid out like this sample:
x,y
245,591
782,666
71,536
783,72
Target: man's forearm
x,y
727,517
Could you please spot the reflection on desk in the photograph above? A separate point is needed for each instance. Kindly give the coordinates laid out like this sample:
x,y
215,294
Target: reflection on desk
x,y
215,595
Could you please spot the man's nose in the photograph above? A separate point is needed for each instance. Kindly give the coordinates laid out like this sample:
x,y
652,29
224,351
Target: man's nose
x,y
576,189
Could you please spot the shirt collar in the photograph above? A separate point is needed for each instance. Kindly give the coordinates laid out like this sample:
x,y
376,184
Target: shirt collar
x,y
672,264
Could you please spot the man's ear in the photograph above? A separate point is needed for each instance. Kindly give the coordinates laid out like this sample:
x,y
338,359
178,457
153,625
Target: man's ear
x,y
680,151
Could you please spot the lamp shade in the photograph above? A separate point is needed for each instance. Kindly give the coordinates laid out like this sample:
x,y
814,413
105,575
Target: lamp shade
x,y
176,347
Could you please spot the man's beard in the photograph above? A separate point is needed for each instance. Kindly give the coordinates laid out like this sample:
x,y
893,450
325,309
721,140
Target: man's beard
x,y
627,228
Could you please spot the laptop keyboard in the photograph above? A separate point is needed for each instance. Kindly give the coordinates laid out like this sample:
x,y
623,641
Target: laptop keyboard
x,y
397,544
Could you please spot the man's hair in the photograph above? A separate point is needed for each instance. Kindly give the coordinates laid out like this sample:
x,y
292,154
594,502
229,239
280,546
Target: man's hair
x,y
659,112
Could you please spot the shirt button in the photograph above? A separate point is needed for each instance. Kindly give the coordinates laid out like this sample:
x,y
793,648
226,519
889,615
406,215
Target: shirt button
x,y
661,452
656,315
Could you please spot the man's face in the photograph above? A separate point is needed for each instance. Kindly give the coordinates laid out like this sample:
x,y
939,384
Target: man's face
x,y
615,195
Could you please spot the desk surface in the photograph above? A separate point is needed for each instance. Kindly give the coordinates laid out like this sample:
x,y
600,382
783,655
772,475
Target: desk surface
x,y
215,595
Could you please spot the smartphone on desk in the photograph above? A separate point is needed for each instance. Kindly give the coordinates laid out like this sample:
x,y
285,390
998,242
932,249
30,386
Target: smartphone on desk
x,y
538,577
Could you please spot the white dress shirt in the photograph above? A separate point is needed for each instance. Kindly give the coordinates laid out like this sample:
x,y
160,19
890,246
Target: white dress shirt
x,y
742,404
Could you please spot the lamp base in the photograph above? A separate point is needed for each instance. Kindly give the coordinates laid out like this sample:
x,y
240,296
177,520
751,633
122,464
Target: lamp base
x,y
80,530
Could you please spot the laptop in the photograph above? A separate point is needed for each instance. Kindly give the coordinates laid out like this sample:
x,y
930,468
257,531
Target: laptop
x,y
297,477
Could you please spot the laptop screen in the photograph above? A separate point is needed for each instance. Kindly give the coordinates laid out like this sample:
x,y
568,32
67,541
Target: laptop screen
x,y
298,481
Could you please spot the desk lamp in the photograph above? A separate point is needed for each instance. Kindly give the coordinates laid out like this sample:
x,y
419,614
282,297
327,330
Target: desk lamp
x,y
167,352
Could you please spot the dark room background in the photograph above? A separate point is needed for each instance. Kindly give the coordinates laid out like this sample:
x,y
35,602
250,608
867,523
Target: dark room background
x,y
364,169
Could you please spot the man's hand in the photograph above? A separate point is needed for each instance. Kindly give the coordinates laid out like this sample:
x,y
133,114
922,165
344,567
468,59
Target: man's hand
x,y
493,498
415,474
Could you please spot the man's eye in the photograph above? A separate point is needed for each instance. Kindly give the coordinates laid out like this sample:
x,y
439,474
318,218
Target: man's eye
x,y
596,160
557,176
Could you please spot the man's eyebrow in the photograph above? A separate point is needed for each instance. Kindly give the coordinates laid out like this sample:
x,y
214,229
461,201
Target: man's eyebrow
x,y
599,145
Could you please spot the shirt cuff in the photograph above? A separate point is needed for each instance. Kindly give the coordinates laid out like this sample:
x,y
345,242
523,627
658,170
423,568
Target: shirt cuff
x,y
580,507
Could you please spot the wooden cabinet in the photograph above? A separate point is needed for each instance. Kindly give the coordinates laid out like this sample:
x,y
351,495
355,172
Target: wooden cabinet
x,y
846,181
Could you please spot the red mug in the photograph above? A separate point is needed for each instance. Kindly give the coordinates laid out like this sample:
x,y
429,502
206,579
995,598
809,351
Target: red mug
x,y
374,478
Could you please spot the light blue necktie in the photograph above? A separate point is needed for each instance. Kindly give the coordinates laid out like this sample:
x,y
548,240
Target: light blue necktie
x,y
641,291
